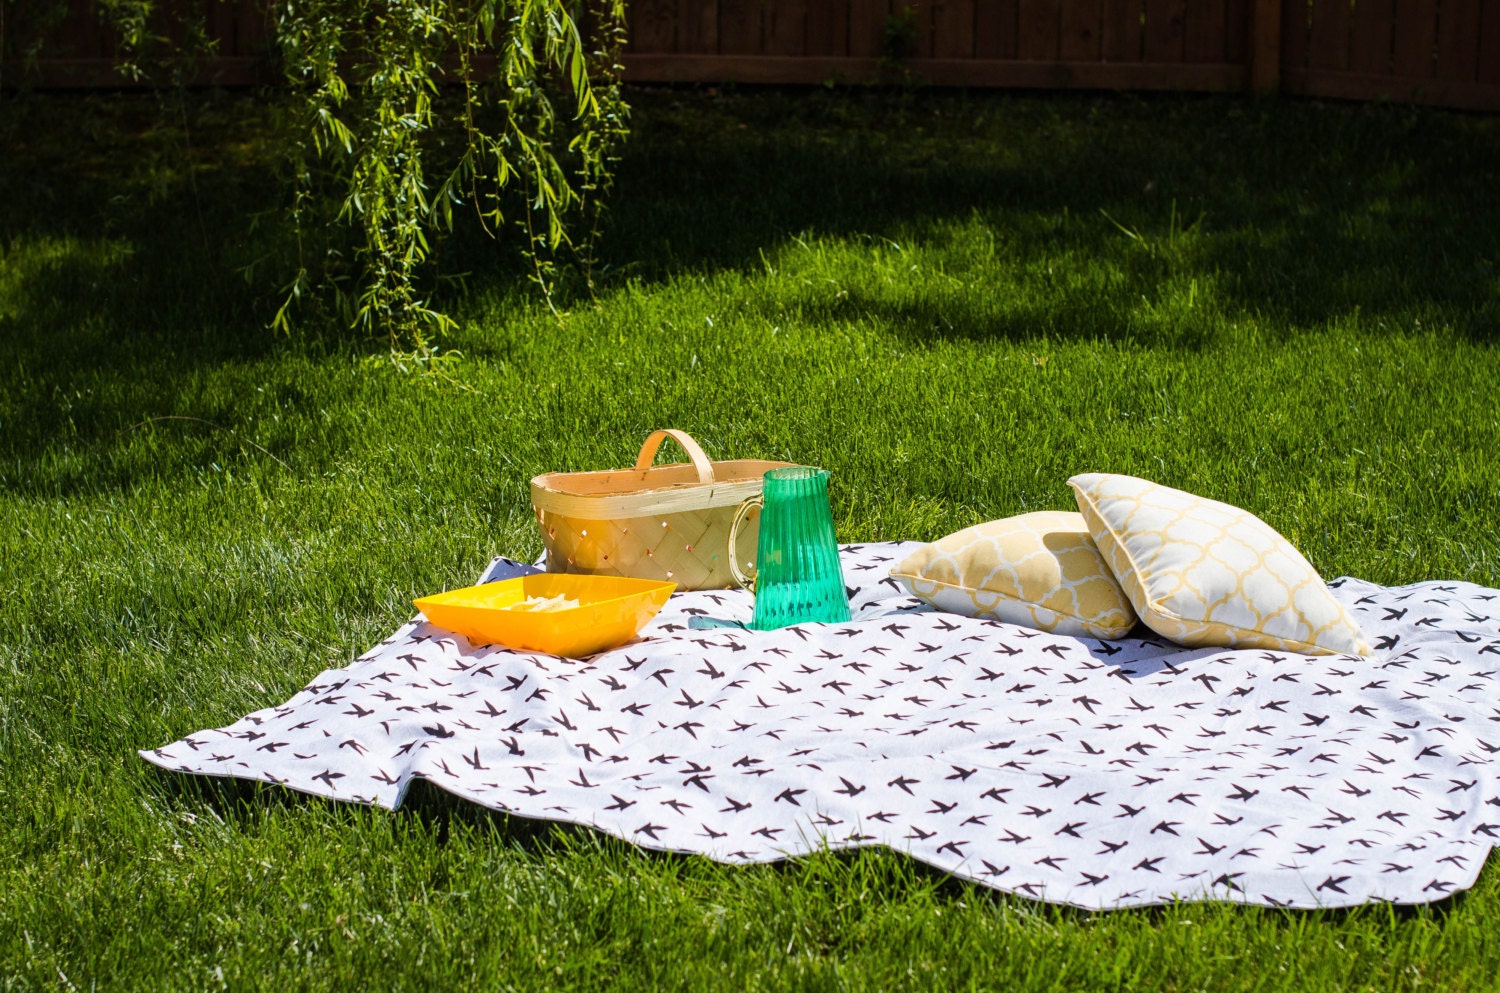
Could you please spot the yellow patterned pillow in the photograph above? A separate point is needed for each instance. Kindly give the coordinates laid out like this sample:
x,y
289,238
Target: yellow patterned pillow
x,y
1206,574
1040,570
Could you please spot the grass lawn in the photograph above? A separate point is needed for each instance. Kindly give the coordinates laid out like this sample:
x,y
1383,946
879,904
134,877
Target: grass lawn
x,y
952,302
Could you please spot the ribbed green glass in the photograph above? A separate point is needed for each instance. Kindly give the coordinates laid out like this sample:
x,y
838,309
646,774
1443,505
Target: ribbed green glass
x,y
798,578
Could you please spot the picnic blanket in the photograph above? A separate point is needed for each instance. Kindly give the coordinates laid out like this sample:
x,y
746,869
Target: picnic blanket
x,y
1093,773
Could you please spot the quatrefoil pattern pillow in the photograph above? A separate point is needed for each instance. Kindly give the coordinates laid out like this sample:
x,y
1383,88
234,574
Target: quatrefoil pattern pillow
x,y
1040,570
1206,574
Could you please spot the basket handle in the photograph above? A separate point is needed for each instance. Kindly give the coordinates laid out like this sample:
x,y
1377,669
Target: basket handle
x,y
684,440
743,581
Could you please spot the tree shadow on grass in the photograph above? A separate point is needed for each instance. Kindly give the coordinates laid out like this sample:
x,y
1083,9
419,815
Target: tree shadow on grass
x,y
122,232
996,217
118,290
1302,212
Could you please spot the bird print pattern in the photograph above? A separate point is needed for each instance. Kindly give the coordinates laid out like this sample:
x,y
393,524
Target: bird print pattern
x,y
1101,774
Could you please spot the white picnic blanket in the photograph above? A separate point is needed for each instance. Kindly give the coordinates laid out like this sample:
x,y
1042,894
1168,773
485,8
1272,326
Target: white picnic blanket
x,y
1098,774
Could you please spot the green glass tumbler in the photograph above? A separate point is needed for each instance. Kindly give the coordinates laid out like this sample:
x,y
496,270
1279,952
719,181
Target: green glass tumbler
x,y
797,574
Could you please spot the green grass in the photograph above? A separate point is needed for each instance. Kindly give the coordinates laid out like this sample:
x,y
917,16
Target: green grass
x,y
952,302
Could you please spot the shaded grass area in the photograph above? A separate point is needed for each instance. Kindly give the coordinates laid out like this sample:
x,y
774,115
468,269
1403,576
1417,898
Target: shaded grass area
x,y
952,302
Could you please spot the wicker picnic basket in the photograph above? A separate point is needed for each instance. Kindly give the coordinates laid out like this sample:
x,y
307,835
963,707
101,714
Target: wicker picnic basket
x,y
670,522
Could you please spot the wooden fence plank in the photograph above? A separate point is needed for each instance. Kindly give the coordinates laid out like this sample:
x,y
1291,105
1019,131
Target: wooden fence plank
x,y
83,31
939,72
1443,52
1328,44
1416,34
1205,35
828,27
920,12
1489,42
1081,31
1355,86
1458,40
1165,30
1266,45
739,27
1373,36
1122,37
653,26
698,26
1037,29
250,36
953,29
1237,32
1294,26
996,23
866,26
785,25
219,16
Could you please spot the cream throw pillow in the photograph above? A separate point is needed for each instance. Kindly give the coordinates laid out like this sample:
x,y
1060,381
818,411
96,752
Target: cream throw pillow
x,y
1040,570
1206,574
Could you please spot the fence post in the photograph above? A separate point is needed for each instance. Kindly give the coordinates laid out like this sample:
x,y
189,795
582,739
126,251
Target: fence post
x,y
1265,46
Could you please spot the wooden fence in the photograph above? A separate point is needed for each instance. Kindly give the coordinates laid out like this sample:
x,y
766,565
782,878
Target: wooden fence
x,y
1444,52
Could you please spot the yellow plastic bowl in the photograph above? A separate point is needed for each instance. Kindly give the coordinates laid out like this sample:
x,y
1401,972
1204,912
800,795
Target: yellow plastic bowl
x,y
611,611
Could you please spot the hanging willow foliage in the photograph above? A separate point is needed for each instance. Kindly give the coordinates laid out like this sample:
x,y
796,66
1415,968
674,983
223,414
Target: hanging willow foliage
x,y
386,90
